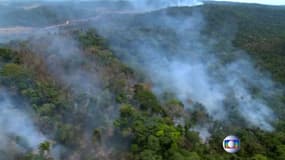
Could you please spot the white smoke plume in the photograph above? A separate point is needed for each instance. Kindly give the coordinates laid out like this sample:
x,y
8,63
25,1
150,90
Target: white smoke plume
x,y
17,130
159,4
178,58
77,71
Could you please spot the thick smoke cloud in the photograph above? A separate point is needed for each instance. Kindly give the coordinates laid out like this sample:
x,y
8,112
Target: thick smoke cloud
x,y
78,72
174,54
66,62
17,130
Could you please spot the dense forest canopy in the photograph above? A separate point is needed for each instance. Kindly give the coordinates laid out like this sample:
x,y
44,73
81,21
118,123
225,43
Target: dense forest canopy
x,y
111,80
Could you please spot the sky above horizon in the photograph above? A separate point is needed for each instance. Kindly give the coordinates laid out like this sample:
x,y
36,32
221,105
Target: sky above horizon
x,y
267,2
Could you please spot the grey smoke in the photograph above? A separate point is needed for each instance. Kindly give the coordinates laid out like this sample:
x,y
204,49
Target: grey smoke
x,y
77,71
159,4
66,62
16,123
186,63
203,132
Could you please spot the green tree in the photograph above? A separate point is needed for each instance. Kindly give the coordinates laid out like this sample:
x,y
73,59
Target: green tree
x,y
259,157
149,155
147,100
44,147
15,75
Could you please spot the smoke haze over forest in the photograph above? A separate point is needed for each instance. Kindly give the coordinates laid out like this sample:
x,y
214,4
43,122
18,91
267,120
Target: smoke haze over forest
x,y
140,79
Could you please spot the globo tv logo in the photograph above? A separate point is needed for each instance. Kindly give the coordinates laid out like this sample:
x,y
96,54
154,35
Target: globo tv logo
x,y
231,144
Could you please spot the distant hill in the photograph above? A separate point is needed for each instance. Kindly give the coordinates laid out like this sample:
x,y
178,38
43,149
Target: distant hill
x,y
257,29
260,31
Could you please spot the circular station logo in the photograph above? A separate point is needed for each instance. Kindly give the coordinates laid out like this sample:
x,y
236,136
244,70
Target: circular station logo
x,y
231,144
